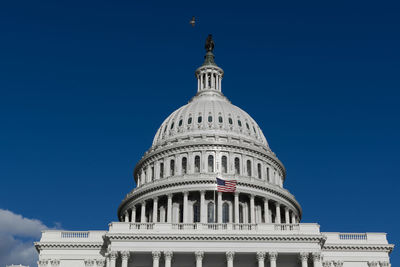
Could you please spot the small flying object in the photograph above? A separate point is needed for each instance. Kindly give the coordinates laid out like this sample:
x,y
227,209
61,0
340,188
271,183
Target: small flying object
x,y
193,21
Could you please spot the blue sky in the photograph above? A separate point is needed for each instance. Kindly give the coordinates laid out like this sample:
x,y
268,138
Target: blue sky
x,y
84,86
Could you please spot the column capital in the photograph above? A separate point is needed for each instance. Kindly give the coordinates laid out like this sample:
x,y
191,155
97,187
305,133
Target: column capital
x,y
338,263
303,256
236,193
88,262
125,255
169,195
155,198
266,199
273,255
168,254
113,255
252,195
199,255
384,263
143,202
230,255
202,192
277,204
372,264
100,262
55,262
133,207
42,262
317,256
156,255
185,193
260,255
327,264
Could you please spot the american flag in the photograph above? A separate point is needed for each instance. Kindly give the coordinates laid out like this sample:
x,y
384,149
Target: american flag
x,y
226,185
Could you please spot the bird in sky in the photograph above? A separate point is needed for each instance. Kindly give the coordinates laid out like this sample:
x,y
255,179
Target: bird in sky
x,y
193,21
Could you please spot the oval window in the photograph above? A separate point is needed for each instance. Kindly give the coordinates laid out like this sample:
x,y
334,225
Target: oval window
x,y
172,125
190,120
230,120
209,118
239,123
247,125
180,123
220,119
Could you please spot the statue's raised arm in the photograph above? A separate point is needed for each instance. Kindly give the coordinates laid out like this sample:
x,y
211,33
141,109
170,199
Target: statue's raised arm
x,y
209,44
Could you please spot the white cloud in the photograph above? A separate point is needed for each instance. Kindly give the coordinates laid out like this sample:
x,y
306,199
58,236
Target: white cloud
x,y
17,235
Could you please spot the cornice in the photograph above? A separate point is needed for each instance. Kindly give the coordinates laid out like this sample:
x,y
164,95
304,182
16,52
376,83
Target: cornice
x,y
170,183
358,247
68,245
208,237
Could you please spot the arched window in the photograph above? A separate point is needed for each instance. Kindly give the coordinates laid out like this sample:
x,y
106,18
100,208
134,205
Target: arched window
x,y
220,120
259,171
210,118
241,214
190,120
239,123
225,212
230,121
210,163
172,167
184,165
196,212
224,164
199,119
248,166
197,164
152,173
180,123
162,170
247,125
210,212
237,166
172,126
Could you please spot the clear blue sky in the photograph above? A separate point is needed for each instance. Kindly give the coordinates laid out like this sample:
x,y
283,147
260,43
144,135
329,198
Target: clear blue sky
x,y
84,86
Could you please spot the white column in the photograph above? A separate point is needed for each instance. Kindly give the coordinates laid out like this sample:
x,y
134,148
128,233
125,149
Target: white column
x,y
236,207
155,209
203,213
156,258
229,258
143,213
277,212
199,258
252,210
266,211
167,258
133,215
317,258
126,216
293,217
287,215
169,208
272,258
185,206
108,264
260,258
198,83
219,85
125,257
219,207
113,258
212,79
303,256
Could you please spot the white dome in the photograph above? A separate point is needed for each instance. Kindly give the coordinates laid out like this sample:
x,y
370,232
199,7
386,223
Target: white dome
x,y
209,112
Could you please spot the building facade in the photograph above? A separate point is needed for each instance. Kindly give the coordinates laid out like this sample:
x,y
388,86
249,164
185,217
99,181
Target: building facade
x,y
175,217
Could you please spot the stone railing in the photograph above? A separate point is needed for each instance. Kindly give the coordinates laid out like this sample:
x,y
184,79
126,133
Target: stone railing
x,y
122,227
351,238
72,236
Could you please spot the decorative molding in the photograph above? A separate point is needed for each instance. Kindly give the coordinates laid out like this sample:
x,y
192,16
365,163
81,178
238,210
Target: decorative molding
x,y
338,263
384,263
359,247
43,263
372,264
47,245
55,262
327,264
89,262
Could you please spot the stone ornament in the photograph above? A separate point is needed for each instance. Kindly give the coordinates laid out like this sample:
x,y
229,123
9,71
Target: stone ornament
x,y
199,255
89,262
317,256
113,255
43,263
384,263
303,256
338,263
168,255
230,255
100,262
327,264
156,255
273,256
55,262
372,264
261,256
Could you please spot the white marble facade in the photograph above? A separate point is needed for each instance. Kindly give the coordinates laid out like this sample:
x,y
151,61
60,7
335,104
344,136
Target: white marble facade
x,y
174,217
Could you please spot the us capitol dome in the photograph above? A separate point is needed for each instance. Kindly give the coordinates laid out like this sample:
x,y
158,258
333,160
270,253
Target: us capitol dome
x,y
210,192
